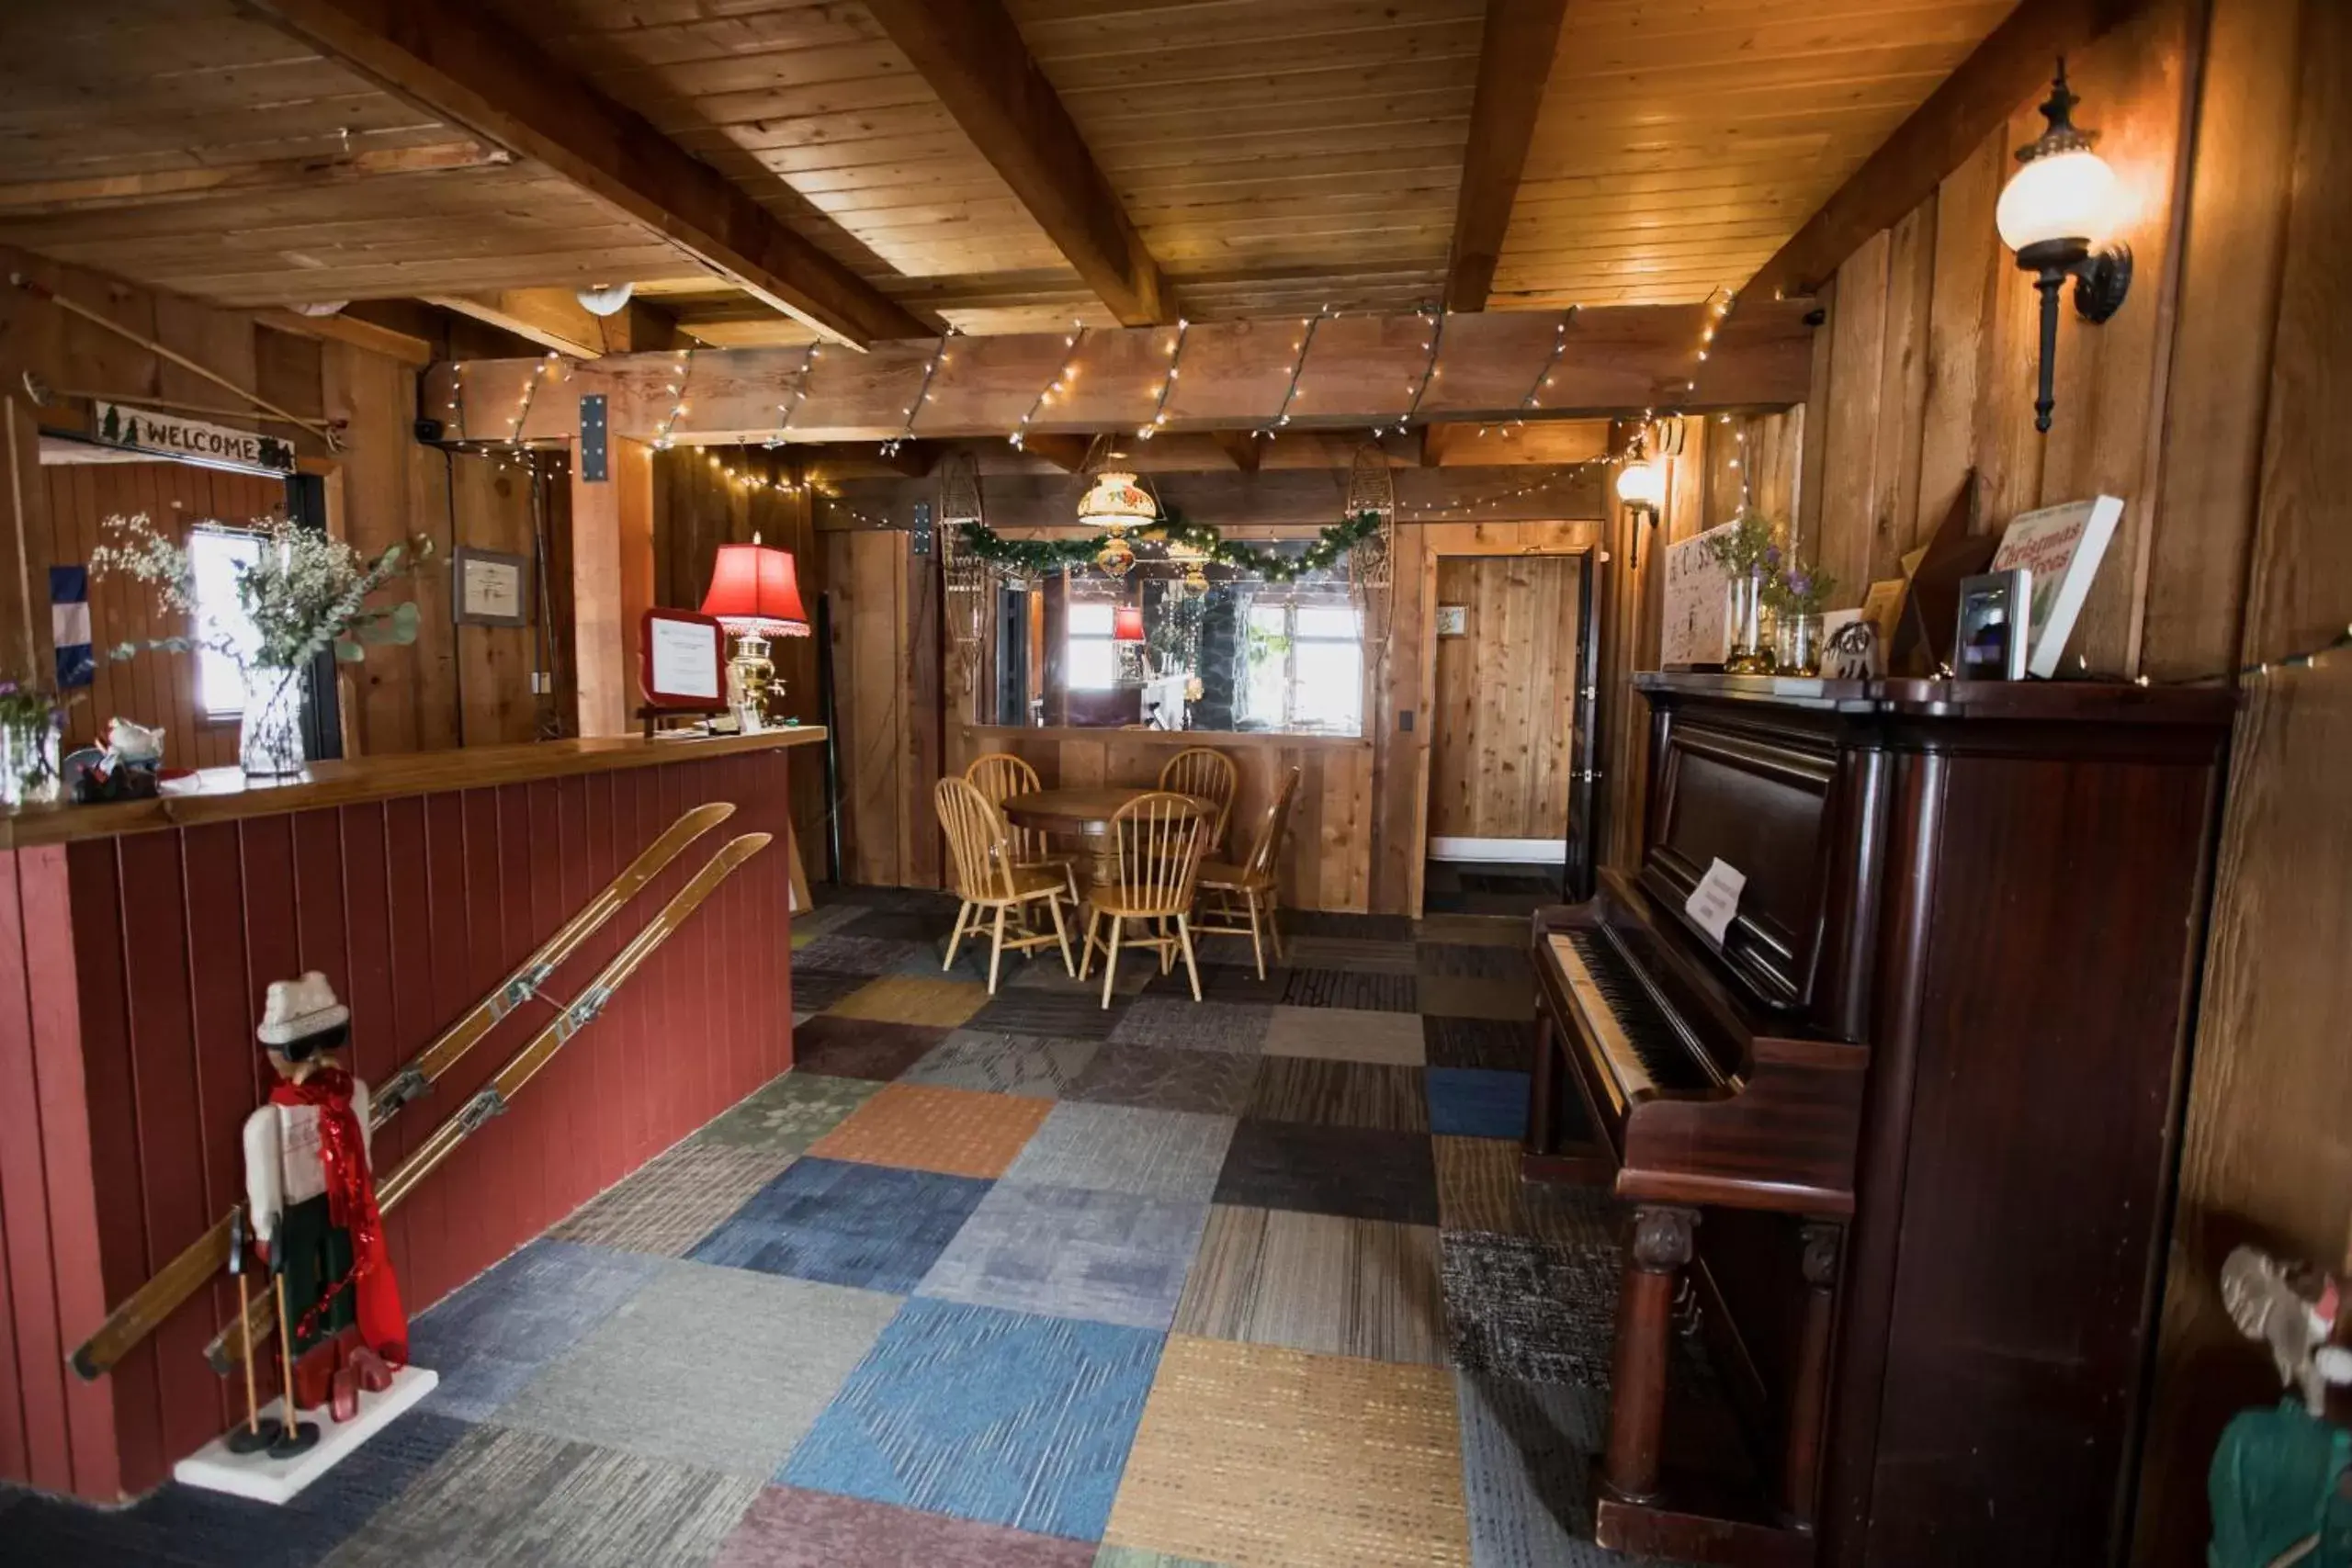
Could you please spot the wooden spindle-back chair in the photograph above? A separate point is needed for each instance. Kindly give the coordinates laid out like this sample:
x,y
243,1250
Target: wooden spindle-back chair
x,y
1251,882
1156,841
1204,774
1001,775
988,877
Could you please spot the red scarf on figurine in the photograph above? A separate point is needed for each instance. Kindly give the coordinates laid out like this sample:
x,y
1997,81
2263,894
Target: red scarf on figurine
x,y
350,1203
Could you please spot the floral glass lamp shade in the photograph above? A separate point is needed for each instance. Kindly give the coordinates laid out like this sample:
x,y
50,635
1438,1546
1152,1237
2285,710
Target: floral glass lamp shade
x,y
2056,213
1115,503
755,595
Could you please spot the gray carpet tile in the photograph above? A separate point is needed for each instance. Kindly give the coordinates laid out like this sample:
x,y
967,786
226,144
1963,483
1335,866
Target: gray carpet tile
x,y
1209,1081
1135,1557
1536,1311
1358,1172
504,1496
1473,931
1116,1257
1052,977
1063,1015
814,989
181,1527
789,1112
1354,954
490,1338
1235,1028
995,1062
1347,988
672,1201
1236,981
1346,1034
1525,1450
814,923
847,952
925,924
786,1526
860,1048
1497,1044
1122,1148
1469,995
719,1369
1320,1282
845,1223
1472,959
1362,928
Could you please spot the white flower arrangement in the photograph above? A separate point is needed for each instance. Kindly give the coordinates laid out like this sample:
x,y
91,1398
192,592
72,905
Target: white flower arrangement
x,y
303,594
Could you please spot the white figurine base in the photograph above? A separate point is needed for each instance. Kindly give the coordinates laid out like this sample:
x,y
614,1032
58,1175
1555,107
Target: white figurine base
x,y
267,1479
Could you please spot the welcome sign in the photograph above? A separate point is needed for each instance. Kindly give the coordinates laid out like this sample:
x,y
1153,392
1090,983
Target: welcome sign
x,y
191,440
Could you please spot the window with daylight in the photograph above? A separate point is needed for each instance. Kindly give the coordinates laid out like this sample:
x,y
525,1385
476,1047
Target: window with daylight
x,y
1093,652
215,553
1306,662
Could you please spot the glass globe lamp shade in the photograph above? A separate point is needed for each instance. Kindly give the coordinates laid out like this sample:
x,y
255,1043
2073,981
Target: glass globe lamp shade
x,y
1642,483
2069,196
1117,503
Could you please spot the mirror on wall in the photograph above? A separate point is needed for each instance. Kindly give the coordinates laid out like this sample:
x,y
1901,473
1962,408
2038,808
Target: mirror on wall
x,y
1177,646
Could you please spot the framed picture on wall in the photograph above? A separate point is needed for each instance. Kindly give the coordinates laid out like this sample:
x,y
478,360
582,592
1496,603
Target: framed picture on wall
x,y
488,588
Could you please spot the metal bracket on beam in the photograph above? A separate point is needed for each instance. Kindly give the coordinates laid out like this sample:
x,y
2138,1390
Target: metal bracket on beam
x,y
594,466
920,541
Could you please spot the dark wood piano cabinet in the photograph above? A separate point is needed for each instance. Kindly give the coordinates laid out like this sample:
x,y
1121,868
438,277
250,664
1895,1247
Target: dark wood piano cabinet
x,y
1917,1160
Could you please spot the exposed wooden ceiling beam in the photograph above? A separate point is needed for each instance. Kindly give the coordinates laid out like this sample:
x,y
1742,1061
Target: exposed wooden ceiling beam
x,y
2012,65
554,318
464,64
1243,446
915,459
1066,452
1360,371
48,198
973,56
1514,62
389,342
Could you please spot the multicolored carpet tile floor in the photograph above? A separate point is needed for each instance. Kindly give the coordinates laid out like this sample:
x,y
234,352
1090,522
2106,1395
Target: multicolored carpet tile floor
x,y
1020,1280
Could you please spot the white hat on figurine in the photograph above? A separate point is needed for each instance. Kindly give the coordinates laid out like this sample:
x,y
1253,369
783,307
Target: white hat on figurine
x,y
296,1010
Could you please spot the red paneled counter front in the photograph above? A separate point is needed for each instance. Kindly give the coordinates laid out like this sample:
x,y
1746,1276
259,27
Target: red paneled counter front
x,y
136,942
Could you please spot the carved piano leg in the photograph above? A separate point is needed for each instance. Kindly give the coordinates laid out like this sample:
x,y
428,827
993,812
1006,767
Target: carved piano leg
x,y
1541,1086
1661,1246
1809,1397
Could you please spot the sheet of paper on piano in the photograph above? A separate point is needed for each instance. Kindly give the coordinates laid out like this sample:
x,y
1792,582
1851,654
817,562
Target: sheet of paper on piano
x,y
1715,900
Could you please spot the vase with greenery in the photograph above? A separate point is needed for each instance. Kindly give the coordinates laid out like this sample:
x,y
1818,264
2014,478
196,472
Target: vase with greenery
x,y
1750,552
31,722
1796,597
302,593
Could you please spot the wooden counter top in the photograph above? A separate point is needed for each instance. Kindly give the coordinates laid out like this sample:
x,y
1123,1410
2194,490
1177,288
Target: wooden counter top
x,y
1173,737
221,794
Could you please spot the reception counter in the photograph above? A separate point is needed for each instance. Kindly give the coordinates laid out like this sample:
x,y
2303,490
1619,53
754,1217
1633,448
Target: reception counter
x,y
136,941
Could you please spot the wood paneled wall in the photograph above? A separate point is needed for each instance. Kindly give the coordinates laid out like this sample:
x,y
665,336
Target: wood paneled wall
x,y
158,689
131,970
456,685
1499,753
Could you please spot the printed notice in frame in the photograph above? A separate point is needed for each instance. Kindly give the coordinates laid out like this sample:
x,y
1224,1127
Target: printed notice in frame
x,y
1715,900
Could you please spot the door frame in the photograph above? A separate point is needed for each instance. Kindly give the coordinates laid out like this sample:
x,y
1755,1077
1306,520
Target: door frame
x,y
1505,539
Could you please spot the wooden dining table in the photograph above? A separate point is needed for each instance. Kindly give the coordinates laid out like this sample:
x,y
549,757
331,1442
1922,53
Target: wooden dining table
x,y
1086,812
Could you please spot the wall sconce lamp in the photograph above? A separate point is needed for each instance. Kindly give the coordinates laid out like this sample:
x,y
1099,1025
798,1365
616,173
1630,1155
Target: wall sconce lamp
x,y
2056,213
1641,489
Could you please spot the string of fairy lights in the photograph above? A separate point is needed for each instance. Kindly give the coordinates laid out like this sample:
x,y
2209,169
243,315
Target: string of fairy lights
x,y
677,391
1303,347
1064,374
1433,346
791,406
1167,382
891,447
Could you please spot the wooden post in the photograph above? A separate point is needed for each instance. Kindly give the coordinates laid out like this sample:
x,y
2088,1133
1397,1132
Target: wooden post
x,y
1661,1246
1809,1391
612,582
1055,592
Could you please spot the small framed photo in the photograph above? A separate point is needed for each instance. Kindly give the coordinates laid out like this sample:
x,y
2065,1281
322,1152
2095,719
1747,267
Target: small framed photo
x,y
1991,640
488,588
1454,620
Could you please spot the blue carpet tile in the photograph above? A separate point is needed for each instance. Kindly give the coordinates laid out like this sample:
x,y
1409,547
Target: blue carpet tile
x,y
1471,1102
981,1414
492,1338
839,1223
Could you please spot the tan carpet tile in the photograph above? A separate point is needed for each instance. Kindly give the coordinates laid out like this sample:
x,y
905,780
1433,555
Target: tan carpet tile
x,y
1478,1189
1480,930
675,1201
955,1130
1368,1288
1347,1034
1466,996
914,999
1339,1094
1257,1456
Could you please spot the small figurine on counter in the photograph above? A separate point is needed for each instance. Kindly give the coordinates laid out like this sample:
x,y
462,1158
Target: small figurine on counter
x,y
125,766
2278,1484
312,1193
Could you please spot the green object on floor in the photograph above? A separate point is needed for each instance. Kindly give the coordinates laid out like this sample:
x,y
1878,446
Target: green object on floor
x,y
2278,1484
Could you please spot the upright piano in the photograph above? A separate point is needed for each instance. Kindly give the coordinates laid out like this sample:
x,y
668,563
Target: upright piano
x,y
1898,1146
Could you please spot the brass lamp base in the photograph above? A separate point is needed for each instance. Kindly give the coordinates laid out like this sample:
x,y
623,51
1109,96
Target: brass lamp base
x,y
751,681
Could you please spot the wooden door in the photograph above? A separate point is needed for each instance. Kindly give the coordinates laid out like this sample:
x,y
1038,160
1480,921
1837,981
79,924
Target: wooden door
x,y
1505,697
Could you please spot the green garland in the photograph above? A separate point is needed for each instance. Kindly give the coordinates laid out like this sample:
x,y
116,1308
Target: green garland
x,y
1042,555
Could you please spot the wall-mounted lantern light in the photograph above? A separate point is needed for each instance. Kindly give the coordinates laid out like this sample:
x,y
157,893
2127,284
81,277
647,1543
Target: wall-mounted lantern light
x,y
2056,213
1641,489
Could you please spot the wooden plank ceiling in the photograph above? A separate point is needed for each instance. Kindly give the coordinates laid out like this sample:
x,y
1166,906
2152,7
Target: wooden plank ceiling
x,y
1274,158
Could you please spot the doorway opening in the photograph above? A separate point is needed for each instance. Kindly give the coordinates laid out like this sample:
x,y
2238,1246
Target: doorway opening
x,y
1504,803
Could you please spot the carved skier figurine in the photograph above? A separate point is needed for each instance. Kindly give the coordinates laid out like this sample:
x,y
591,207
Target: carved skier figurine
x,y
312,1193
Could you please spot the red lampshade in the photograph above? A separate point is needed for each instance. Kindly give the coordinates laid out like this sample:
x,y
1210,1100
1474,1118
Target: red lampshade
x,y
1126,624
755,589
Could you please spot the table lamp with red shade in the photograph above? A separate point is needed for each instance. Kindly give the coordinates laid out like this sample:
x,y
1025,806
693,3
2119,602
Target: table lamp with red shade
x,y
755,595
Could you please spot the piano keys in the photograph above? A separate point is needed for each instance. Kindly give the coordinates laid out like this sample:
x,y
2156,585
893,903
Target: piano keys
x,y
1905,1132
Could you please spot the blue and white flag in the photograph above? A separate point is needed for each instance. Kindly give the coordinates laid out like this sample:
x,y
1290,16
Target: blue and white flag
x,y
69,625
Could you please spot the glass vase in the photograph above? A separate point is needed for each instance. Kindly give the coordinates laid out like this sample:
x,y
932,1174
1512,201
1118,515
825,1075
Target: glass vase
x,y
1796,643
30,774
1750,652
269,742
